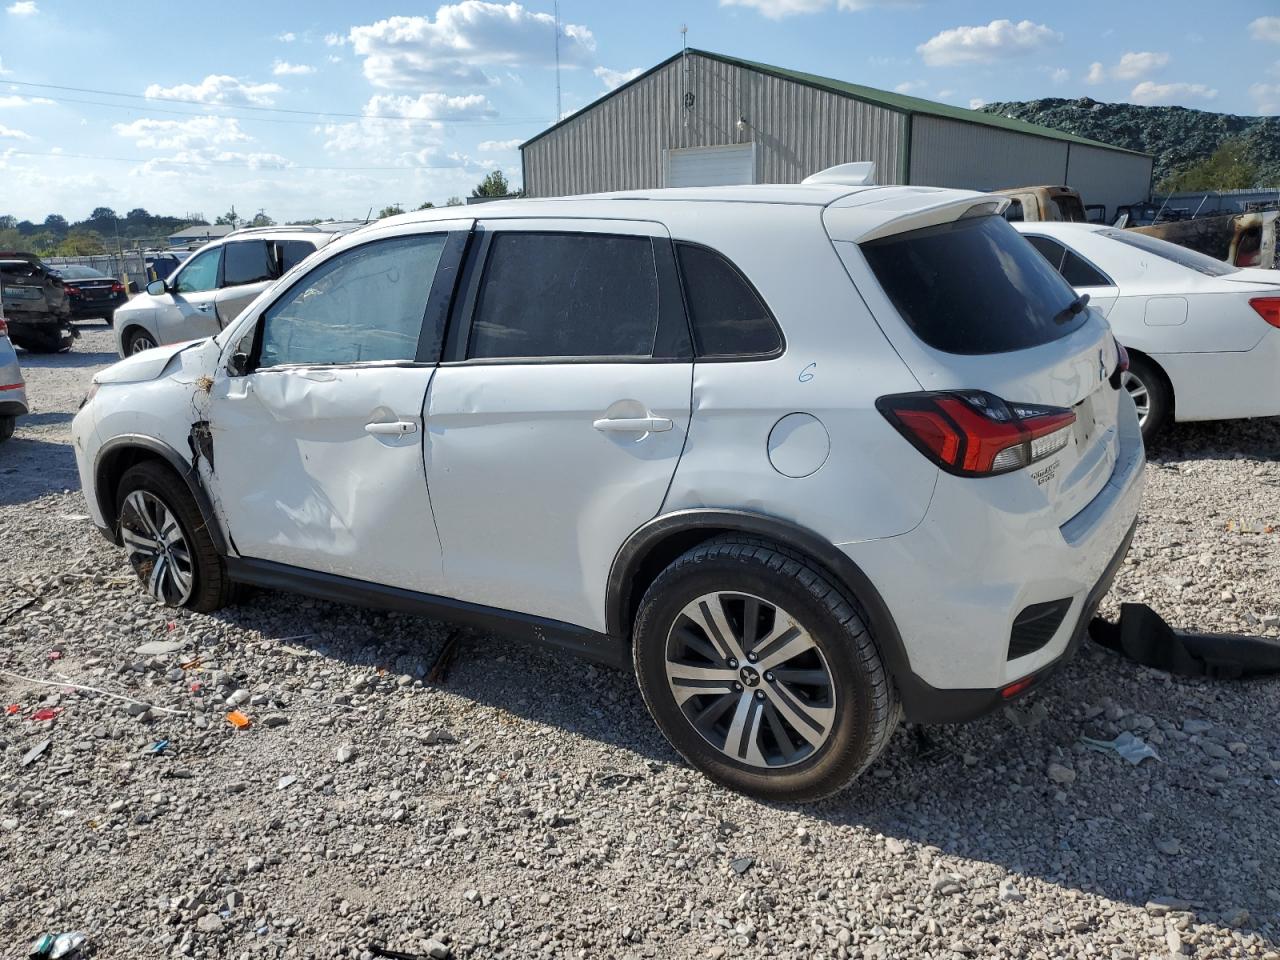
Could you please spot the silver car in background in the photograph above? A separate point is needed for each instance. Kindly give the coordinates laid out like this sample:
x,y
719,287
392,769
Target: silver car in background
x,y
214,284
13,390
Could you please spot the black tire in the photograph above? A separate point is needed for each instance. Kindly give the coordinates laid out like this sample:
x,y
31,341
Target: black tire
x,y
43,341
863,702
210,588
1147,382
7,425
132,340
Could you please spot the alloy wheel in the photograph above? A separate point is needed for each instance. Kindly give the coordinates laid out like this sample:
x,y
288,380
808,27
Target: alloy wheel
x,y
140,342
157,548
750,680
1140,395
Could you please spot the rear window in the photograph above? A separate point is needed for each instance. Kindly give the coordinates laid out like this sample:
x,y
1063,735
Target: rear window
x,y
729,318
973,286
1171,251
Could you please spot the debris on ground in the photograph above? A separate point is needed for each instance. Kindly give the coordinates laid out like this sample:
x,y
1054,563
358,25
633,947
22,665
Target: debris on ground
x,y
1126,745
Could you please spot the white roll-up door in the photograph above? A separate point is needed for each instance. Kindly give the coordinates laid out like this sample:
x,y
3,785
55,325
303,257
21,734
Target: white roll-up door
x,y
710,166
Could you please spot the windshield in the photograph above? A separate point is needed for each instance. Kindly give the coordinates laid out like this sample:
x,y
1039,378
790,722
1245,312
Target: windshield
x,y
974,286
1182,256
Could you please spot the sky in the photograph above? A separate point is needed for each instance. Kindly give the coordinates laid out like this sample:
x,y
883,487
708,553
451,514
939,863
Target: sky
x,y
327,109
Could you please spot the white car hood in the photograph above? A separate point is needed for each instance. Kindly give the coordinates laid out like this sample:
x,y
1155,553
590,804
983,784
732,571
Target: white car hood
x,y
143,366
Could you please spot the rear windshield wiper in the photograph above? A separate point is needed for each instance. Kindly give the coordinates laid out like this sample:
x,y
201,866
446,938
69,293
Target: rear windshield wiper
x,y
1071,309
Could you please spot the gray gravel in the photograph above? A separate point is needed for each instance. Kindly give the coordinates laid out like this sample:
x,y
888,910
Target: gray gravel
x,y
526,806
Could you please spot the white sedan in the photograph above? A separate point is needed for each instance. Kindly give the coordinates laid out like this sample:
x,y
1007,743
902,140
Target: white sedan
x,y
1203,336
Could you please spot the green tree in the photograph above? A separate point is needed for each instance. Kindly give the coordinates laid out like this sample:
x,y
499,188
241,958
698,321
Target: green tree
x,y
81,243
454,201
228,219
391,211
1230,167
427,206
56,223
137,214
260,219
493,185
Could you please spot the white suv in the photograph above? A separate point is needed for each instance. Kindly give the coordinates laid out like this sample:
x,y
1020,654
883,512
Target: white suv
x,y
807,458
213,285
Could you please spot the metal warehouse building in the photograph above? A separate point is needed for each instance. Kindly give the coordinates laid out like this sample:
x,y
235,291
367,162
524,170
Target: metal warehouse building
x,y
700,119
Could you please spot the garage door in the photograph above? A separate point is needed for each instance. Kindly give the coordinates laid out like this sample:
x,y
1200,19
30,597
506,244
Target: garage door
x,y
711,166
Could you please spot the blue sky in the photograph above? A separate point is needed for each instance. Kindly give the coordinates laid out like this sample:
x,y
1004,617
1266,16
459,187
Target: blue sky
x,y
328,109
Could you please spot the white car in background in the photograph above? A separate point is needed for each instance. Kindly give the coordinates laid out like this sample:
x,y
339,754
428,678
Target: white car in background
x,y
1203,336
13,390
806,458
213,285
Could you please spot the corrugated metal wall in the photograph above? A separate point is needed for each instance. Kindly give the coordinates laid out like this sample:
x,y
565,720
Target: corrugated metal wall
x,y
947,153
1105,176
618,144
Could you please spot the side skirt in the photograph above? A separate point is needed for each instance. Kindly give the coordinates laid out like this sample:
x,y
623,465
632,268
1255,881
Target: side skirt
x,y
579,641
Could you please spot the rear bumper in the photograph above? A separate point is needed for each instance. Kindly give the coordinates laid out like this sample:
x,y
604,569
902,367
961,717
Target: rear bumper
x,y
955,585
1225,386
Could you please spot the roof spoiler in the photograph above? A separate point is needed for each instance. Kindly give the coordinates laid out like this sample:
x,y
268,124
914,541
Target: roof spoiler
x,y
860,174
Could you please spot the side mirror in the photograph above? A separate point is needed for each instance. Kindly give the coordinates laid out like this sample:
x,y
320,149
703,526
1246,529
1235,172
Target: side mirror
x,y
238,365
157,287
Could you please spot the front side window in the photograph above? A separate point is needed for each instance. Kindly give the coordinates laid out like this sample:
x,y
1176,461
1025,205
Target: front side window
x,y
973,286
729,318
200,273
566,295
246,261
366,304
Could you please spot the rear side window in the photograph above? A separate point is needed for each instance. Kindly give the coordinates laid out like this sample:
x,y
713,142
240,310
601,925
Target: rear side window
x,y
973,286
566,295
1074,269
246,261
293,252
729,319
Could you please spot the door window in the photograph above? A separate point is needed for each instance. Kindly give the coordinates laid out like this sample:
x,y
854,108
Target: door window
x,y
1074,269
729,318
200,273
246,261
290,253
566,295
366,304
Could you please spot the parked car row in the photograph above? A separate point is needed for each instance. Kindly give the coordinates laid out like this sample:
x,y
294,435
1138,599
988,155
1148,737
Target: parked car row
x,y
34,301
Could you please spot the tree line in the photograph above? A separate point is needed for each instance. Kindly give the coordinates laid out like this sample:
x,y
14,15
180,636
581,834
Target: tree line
x,y
104,230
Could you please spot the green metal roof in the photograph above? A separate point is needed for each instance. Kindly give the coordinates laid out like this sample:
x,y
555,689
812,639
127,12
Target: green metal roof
x,y
899,102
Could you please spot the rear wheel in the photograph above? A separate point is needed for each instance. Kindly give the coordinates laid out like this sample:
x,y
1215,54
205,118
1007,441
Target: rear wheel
x,y
167,543
1152,398
7,425
138,340
761,673
45,340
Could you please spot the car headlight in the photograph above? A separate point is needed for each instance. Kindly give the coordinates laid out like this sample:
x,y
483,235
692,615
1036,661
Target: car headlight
x,y
93,389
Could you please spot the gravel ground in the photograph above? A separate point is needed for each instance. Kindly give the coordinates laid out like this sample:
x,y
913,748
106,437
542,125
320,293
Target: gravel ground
x,y
525,804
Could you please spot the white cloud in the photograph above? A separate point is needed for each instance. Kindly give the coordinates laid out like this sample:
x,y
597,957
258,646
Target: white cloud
x,y
17,101
198,132
332,59
1267,97
462,42
429,106
217,88
616,78
392,129
907,86
334,40
777,9
9,133
185,160
996,41
283,68
3,71
977,103
1061,75
498,146
23,8
1132,66
1096,75
287,37
1264,28
1151,94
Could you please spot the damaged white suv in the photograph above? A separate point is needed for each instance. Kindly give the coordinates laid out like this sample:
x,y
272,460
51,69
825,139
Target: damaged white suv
x,y
807,458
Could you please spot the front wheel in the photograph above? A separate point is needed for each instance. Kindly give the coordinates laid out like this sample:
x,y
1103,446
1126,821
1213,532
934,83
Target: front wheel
x,y
167,543
138,340
761,673
7,425
1151,395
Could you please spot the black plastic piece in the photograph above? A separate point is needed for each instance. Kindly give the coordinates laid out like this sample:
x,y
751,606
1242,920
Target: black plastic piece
x,y
1035,626
1142,636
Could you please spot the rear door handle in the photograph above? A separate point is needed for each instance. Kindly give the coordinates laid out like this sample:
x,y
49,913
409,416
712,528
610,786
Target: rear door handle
x,y
396,428
633,425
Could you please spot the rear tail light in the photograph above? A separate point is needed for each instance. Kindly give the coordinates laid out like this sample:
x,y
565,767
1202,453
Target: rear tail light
x,y
117,287
1268,309
975,434
4,327
71,289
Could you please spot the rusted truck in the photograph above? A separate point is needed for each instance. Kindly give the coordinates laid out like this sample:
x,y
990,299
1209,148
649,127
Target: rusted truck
x,y
1241,239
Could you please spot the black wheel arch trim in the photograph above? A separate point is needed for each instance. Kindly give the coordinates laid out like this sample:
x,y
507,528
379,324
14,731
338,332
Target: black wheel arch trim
x,y
182,466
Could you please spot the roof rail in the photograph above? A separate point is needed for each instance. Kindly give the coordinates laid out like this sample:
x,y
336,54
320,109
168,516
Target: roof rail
x,y
860,174
278,228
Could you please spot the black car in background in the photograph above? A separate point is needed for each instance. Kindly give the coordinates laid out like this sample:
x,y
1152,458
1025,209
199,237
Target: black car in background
x,y
91,293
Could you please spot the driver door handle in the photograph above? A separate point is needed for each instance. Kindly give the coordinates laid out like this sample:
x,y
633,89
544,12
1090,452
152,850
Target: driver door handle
x,y
396,428
204,307
633,425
